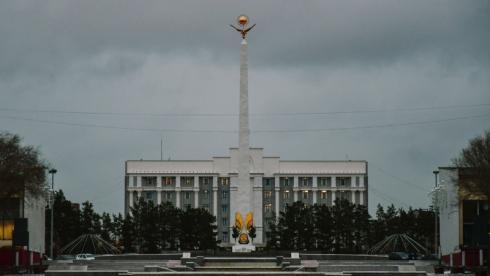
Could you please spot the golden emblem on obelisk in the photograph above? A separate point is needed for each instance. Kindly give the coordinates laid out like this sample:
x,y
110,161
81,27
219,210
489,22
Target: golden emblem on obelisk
x,y
243,229
242,20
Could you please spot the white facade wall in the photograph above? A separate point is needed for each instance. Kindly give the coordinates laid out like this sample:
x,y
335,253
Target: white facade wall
x,y
448,204
35,213
260,167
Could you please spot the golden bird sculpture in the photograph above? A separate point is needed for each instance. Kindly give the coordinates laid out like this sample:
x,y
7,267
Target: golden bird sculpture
x,y
243,21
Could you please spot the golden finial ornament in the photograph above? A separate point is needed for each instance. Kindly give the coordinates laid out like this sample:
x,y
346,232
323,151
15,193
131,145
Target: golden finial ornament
x,y
242,20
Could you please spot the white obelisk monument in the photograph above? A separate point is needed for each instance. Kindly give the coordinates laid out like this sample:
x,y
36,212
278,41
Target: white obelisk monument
x,y
242,197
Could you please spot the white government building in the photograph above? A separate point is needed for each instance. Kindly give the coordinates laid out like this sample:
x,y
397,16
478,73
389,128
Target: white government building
x,y
211,184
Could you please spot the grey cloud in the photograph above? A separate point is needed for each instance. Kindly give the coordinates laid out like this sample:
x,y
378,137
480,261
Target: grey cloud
x,y
46,36
181,57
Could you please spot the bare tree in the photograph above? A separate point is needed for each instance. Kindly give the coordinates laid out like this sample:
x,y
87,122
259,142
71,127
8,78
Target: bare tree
x,y
474,163
21,168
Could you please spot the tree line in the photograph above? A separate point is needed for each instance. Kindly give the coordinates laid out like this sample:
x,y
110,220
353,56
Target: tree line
x,y
346,227
149,228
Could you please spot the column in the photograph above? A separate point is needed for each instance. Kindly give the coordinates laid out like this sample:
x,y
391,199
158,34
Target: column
x,y
277,187
353,195
353,181
130,199
159,181
334,196
315,189
139,195
215,196
177,191
196,192
138,181
361,197
334,182
159,197
295,188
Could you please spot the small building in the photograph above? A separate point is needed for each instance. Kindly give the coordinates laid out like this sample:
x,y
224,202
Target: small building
x,y
464,220
25,214
211,184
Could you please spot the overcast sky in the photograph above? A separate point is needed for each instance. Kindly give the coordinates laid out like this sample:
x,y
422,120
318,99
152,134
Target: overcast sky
x,y
423,66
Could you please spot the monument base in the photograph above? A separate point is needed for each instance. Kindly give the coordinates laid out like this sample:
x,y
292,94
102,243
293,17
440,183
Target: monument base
x,y
243,248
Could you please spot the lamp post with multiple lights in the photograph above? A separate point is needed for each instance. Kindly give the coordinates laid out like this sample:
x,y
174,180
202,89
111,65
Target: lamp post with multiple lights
x,y
436,214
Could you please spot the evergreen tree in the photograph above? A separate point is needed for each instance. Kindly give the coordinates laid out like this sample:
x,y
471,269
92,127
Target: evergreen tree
x,y
90,220
168,225
107,231
324,227
66,222
128,234
361,226
117,228
273,241
198,230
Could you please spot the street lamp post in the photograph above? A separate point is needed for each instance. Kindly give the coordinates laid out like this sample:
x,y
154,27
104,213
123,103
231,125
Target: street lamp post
x,y
436,214
52,172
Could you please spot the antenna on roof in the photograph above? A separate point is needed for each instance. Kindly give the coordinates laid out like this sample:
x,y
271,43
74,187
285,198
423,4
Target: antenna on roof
x,y
161,149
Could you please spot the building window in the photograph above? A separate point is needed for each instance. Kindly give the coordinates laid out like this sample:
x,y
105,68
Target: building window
x,y
224,181
168,181
305,194
225,237
323,195
205,180
187,180
342,181
268,208
205,207
286,181
148,181
150,196
267,195
169,196
224,209
187,195
324,181
268,182
6,229
224,194
224,221
187,206
285,195
205,194
135,181
304,181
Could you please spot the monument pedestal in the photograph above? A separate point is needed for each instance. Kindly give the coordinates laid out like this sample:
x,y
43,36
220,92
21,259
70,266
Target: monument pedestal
x,y
245,248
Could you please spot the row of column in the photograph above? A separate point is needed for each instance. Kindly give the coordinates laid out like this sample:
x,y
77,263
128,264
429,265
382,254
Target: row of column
x,y
178,190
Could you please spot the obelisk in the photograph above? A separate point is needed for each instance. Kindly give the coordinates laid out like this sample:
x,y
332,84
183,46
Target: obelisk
x,y
242,209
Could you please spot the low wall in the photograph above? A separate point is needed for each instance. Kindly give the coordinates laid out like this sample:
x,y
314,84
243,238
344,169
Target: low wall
x,y
346,257
273,254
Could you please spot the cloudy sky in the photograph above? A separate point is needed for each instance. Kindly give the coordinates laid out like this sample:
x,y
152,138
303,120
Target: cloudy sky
x,y
401,84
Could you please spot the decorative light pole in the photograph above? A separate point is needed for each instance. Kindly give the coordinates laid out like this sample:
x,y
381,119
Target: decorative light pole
x,y
52,172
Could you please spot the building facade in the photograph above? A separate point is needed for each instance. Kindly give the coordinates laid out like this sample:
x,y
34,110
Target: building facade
x,y
464,220
211,184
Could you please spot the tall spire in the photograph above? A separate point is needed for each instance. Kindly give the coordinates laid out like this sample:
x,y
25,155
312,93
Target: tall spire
x,y
243,201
